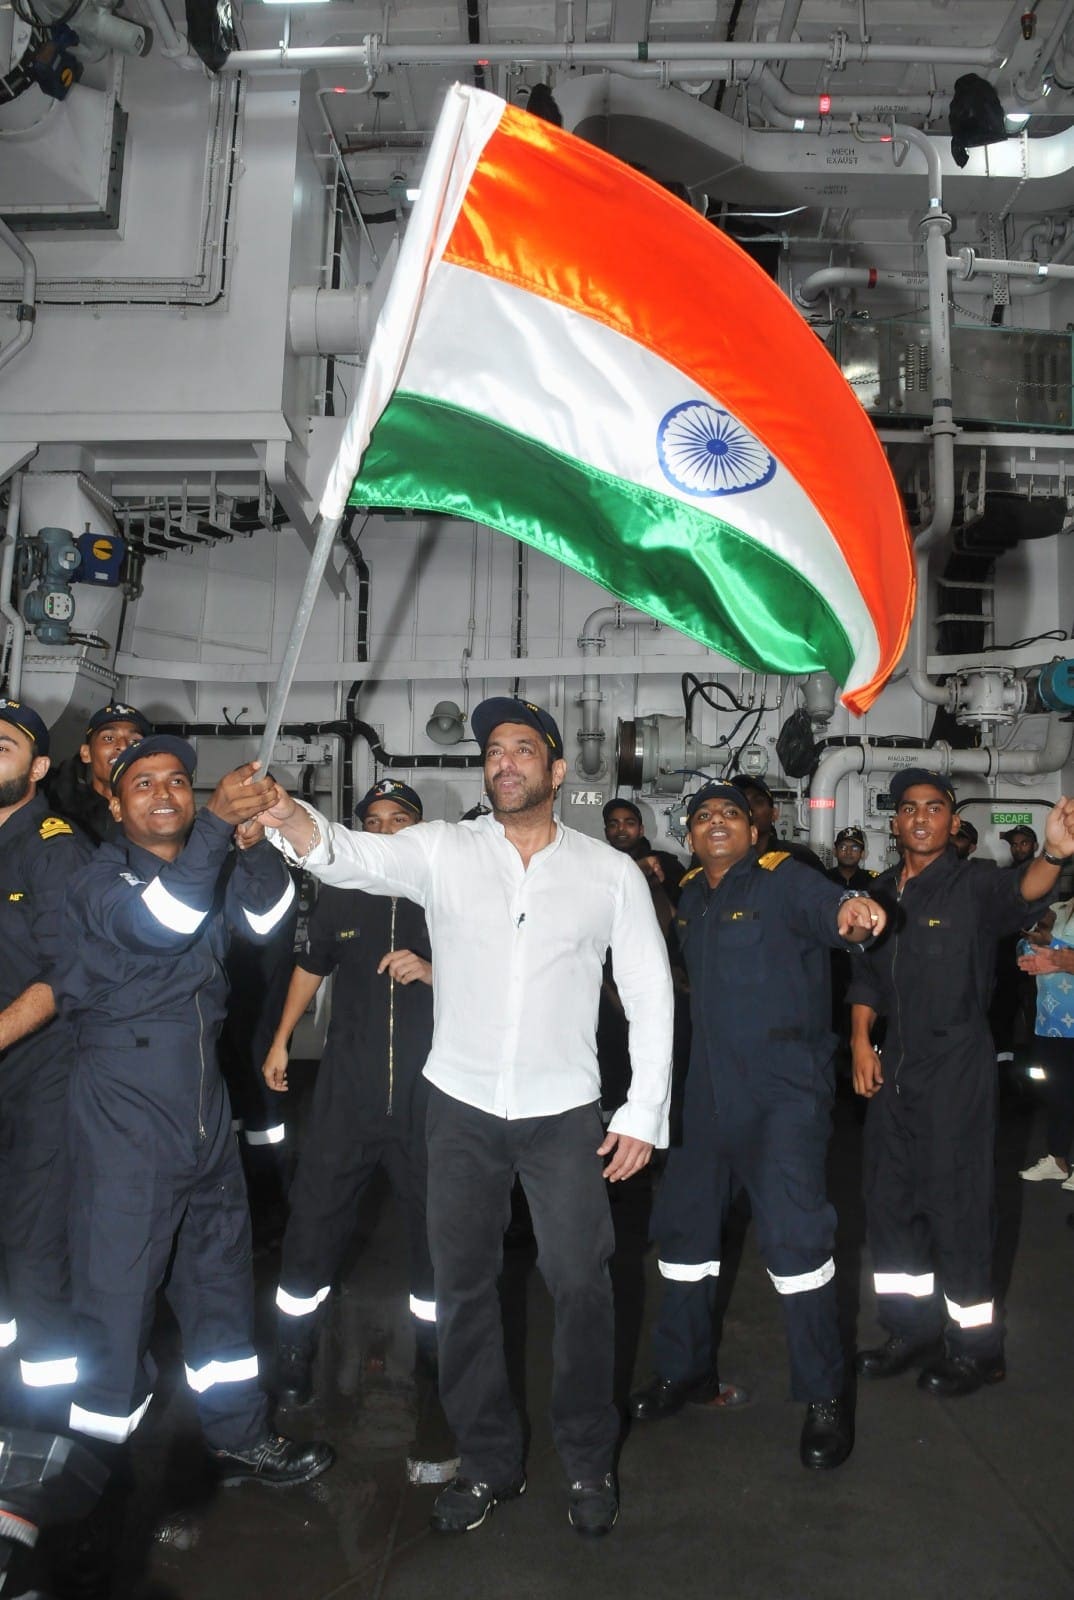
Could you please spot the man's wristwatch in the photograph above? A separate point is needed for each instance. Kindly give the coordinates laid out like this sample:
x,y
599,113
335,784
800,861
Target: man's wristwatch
x,y
1053,861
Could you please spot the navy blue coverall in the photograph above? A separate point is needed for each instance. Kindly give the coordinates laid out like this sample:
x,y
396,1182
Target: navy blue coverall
x,y
930,1130
154,1158
757,1113
369,1102
39,853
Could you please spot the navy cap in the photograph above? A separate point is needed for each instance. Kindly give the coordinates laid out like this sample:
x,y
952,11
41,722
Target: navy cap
x,y
115,711
1012,833
716,791
915,777
157,744
622,805
747,780
855,836
390,789
26,719
967,830
490,713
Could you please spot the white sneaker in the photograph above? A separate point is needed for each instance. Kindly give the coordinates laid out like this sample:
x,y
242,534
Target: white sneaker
x,y
1044,1169
1069,1183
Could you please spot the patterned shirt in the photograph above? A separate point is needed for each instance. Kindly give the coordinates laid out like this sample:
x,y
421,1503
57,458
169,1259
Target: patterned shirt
x,y
1055,990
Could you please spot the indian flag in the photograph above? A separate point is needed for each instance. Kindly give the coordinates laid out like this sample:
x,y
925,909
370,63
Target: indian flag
x,y
571,355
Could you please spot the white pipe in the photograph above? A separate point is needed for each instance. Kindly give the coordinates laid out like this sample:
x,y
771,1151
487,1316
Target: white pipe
x,y
936,694
810,290
841,105
591,642
374,55
27,311
937,225
1041,276
967,264
837,763
171,43
8,609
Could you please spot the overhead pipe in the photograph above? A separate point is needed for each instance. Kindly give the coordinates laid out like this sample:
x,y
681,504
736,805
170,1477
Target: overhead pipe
x,y
26,310
1031,277
936,225
1030,89
591,641
932,105
170,42
8,609
374,55
842,761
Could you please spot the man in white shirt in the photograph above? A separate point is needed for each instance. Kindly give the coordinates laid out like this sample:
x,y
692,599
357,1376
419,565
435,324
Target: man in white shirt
x,y
521,913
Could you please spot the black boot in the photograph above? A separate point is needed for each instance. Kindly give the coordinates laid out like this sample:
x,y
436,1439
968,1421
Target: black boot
x,y
662,1397
294,1374
954,1376
827,1435
894,1356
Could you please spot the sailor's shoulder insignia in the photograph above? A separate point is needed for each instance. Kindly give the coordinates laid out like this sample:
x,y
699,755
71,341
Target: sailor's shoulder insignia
x,y
134,881
773,859
53,827
688,877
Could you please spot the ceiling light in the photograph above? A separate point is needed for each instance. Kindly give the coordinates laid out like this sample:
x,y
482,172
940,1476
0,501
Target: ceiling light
x,y
1016,120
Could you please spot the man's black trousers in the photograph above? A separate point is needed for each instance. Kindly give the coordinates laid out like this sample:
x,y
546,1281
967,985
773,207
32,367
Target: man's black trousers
x,y
772,1140
929,1181
155,1204
473,1159
343,1145
34,1195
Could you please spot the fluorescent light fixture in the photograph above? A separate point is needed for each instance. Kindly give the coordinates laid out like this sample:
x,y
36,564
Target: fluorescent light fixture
x,y
1038,1074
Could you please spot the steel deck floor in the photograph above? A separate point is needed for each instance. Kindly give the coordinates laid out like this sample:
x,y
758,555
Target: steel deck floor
x,y
971,1497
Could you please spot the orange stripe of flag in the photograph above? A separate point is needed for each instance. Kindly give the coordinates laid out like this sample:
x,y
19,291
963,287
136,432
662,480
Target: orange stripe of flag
x,y
562,219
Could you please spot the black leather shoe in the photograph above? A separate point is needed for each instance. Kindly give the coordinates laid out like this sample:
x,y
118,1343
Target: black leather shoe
x,y
465,1503
662,1397
593,1509
953,1376
889,1359
281,1463
827,1435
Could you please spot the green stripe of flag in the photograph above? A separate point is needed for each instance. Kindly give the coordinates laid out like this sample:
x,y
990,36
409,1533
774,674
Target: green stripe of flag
x,y
684,566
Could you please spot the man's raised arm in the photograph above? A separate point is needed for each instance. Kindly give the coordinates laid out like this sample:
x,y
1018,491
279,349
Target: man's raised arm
x,y
378,863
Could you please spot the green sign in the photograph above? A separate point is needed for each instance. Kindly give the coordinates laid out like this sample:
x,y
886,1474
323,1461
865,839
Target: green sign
x,y
1013,819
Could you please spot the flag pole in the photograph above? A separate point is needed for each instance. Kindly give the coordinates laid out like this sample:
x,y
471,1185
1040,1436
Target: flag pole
x,y
326,538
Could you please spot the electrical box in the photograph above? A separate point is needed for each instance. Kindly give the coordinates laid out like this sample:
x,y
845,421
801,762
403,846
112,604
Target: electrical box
x,y
1009,377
